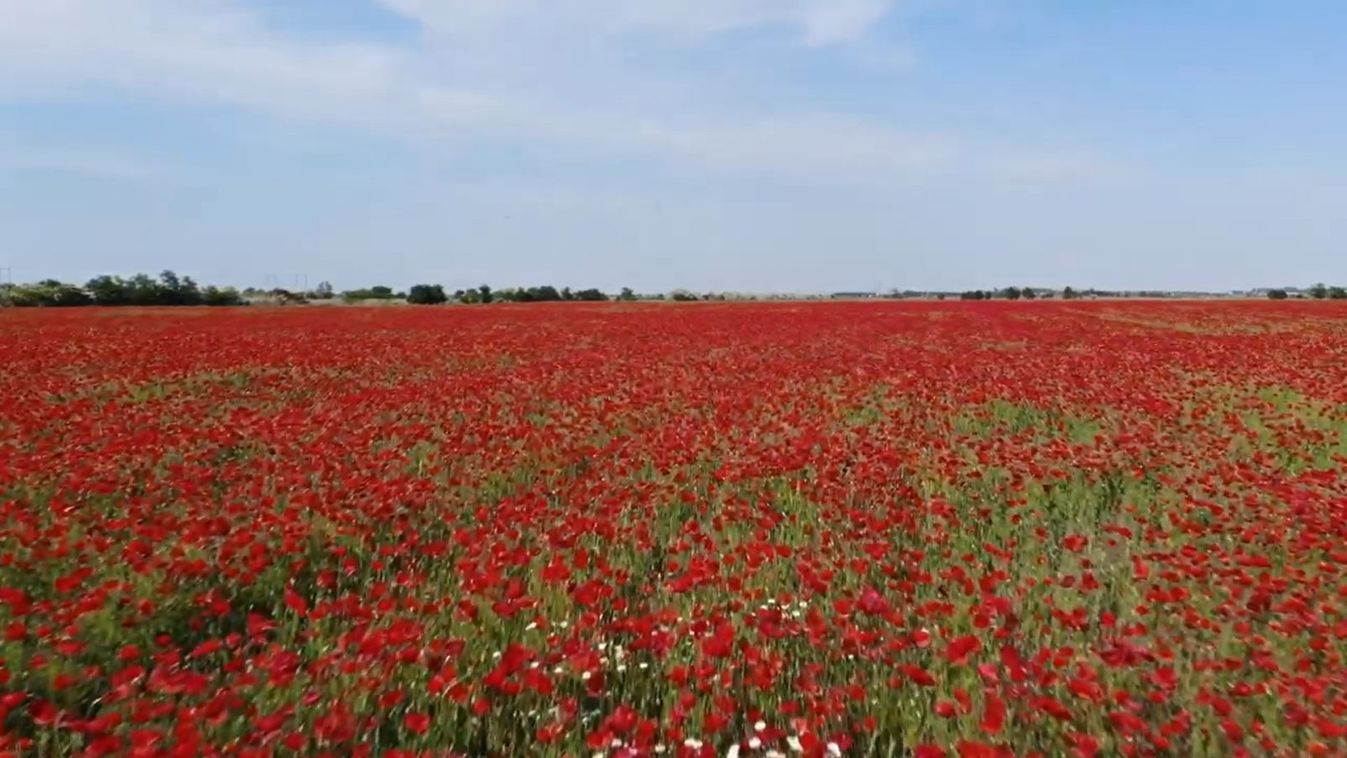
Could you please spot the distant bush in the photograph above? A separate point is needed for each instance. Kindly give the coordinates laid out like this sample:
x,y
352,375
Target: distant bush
x,y
377,292
427,294
1277,295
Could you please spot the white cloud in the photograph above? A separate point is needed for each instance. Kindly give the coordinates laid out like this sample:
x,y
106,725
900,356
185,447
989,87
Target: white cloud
x,y
813,22
194,49
448,87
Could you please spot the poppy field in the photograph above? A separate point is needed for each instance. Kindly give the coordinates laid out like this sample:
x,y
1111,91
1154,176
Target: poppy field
x,y
852,528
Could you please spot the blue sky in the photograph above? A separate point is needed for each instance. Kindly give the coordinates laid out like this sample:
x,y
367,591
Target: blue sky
x,y
750,145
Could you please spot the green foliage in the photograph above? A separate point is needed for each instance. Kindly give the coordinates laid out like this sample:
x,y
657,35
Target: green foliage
x,y
377,292
591,295
1277,294
541,294
1069,294
544,294
427,294
109,290
220,296
48,293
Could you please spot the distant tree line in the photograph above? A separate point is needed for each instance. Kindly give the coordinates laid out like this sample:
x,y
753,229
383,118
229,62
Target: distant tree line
x,y
1323,292
1316,292
107,290
540,294
1012,293
170,289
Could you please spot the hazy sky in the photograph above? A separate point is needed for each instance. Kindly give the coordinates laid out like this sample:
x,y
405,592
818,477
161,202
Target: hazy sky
x,y
767,145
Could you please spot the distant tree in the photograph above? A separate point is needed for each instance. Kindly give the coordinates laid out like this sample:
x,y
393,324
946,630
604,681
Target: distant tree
x,y
974,295
1029,293
48,293
143,290
377,292
1277,294
627,294
169,281
109,290
187,293
427,294
566,294
1069,294
175,290
1319,291
1337,293
682,296
1011,293
218,296
324,291
544,294
484,294
591,295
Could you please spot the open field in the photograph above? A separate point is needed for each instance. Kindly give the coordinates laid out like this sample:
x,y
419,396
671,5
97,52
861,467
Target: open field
x,y
859,528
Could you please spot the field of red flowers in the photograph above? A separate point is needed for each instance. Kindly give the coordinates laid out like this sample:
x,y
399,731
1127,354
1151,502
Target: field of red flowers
x,y
765,529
